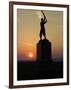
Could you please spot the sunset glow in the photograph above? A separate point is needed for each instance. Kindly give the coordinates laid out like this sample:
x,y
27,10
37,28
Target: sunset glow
x,y
28,28
30,55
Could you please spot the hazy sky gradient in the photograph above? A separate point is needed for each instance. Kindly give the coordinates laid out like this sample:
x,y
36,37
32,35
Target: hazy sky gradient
x,y
28,28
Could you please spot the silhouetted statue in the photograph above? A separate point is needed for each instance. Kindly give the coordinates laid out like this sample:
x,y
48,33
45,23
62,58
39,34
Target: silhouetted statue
x,y
42,30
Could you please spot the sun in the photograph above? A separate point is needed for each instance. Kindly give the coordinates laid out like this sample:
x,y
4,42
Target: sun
x,y
30,55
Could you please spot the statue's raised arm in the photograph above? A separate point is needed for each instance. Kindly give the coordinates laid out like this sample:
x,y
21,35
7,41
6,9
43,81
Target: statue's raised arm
x,y
45,20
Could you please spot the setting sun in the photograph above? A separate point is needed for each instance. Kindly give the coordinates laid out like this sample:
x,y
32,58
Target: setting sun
x,y
30,55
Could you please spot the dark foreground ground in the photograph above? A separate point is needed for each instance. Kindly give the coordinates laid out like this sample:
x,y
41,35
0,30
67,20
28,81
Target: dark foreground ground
x,y
39,70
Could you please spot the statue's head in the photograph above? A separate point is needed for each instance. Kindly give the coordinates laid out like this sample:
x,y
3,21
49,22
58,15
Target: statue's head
x,y
42,20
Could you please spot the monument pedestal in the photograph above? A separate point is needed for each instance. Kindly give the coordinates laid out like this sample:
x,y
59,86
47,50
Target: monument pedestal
x,y
44,51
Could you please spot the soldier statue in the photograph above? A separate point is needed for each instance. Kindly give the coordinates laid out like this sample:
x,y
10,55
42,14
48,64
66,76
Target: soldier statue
x,y
42,23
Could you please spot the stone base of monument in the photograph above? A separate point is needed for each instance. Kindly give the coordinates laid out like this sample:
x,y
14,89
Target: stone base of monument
x,y
44,51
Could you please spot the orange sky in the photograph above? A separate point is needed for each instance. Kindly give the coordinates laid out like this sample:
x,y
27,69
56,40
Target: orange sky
x,y
28,28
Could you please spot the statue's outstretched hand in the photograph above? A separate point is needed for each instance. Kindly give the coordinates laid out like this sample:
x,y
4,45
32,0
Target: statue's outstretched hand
x,y
42,12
